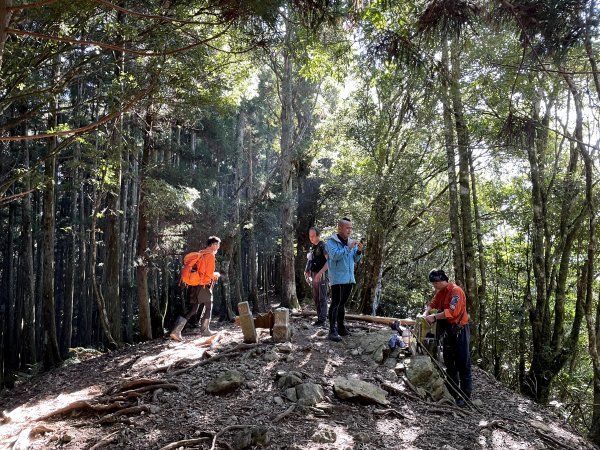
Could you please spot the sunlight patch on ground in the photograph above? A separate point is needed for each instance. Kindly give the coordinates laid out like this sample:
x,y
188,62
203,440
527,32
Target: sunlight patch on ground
x,y
501,440
171,353
23,415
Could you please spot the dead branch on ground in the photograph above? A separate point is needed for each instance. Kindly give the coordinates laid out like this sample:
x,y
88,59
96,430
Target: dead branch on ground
x,y
284,414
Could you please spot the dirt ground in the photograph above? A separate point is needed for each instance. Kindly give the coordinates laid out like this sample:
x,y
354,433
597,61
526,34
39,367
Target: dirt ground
x,y
152,396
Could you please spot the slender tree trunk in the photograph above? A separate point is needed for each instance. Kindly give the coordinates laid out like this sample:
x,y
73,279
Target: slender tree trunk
x,y
51,351
463,139
482,289
288,278
8,291
252,255
4,21
453,213
142,246
27,273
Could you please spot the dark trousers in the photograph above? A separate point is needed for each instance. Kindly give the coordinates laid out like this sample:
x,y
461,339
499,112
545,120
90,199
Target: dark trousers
x,y
340,293
319,295
457,359
200,295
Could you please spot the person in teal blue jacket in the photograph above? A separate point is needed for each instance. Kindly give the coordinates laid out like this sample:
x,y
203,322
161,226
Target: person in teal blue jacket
x,y
343,253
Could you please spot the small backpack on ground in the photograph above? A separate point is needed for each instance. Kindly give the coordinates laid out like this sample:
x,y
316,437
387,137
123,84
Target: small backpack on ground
x,y
190,272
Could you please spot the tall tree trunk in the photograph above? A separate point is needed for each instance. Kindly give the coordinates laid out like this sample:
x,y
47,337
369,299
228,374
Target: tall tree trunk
x,y
252,255
8,291
482,288
27,273
453,213
51,351
288,278
4,21
463,140
376,235
142,246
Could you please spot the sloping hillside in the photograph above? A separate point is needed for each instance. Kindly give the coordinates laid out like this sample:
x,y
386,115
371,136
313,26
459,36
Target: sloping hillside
x,y
154,396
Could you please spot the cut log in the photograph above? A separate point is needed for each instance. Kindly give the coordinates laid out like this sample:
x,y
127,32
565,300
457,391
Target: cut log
x,y
361,317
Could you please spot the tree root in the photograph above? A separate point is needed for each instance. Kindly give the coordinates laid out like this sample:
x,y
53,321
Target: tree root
x,y
132,385
212,359
111,418
82,405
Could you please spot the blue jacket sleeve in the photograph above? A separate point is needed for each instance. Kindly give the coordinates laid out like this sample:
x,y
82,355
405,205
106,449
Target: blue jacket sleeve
x,y
335,252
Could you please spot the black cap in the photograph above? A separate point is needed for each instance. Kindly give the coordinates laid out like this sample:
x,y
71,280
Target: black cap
x,y
437,275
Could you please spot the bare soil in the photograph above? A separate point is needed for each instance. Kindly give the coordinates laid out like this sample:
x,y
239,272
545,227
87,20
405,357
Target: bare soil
x,y
152,396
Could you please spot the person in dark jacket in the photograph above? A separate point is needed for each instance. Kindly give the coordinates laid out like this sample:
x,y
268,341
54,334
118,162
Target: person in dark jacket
x,y
315,269
343,252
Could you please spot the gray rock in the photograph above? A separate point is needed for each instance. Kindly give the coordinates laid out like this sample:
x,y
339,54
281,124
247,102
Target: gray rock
x,y
289,380
284,348
324,436
270,356
226,382
375,346
362,438
358,390
391,375
250,437
278,400
309,394
290,394
421,372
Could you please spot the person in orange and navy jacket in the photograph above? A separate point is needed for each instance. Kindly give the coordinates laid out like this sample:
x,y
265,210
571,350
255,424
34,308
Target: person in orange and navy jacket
x,y
451,301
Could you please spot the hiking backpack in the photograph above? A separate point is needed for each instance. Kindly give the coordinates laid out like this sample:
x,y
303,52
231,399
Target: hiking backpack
x,y
190,272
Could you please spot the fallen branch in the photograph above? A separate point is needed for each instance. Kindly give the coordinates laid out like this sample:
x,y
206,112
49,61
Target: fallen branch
x,y
105,440
185,443
284,414
225,430
360,317
392,411
212,359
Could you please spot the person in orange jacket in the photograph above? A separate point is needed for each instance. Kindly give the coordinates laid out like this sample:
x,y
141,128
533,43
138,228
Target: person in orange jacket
x,y
451,302
201,294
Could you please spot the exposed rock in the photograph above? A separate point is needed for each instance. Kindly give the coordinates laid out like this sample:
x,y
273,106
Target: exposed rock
x,y
284,348
290,379
358,390
425,377
324,436
309,394
290,394
226,382
375,346
270,356
250,437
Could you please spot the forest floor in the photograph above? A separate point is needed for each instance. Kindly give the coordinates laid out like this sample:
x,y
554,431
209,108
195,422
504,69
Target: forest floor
x,y
152,396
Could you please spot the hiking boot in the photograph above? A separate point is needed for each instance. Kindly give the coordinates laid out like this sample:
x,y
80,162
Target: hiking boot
x,y
343,331
460,402
205,328
319,323
175,334
333,336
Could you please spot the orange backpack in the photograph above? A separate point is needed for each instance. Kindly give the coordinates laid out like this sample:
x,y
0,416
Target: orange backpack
x,y
190,272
